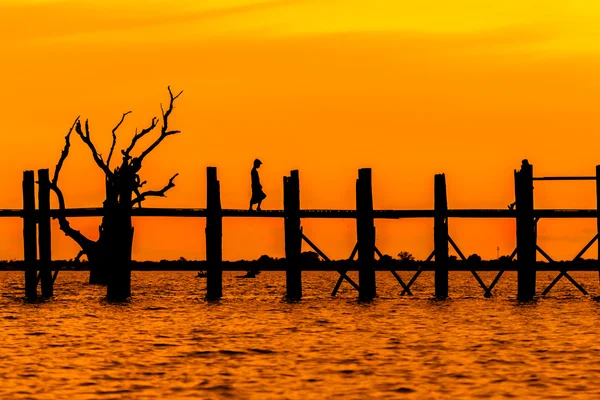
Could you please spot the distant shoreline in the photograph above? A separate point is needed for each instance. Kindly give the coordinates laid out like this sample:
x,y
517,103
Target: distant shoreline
x,y
318,265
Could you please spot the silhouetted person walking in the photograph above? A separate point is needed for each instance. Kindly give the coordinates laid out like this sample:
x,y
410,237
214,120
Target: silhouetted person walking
x,y
257,193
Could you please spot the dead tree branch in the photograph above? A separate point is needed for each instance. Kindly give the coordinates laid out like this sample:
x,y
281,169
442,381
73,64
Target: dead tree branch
x,y
137,162
120,182
138,136
79,255
64,154
88,141
154,193
114,136
74,234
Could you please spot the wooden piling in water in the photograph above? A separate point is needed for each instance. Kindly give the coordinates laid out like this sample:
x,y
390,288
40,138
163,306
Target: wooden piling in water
x,y
29,235
44,233
526,233
440,236
293,236
365,229
214,236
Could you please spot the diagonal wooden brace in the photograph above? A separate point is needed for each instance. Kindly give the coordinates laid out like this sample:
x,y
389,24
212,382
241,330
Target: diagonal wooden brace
x,y
398,278
405,288
544,254
554,282
462,256
315,248
488,292
564,273
587,246
416,275
340,271
513,254
570,278
480,281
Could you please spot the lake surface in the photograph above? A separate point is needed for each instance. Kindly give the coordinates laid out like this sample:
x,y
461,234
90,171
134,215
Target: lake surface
x,y
169,343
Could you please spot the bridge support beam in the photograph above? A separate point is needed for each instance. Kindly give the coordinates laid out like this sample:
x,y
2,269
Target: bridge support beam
x,y
526,233
440,236
44,233
365,229
214,236
29,236
293,236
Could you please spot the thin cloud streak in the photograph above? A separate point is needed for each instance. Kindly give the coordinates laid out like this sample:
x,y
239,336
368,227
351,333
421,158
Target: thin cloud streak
x,y
81,19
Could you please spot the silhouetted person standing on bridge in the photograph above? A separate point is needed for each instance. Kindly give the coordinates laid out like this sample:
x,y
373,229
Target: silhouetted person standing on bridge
x,y
257,193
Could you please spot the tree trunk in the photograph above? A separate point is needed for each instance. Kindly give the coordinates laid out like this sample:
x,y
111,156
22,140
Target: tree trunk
x,y
119,283
100,258
119,238
98,272
119,264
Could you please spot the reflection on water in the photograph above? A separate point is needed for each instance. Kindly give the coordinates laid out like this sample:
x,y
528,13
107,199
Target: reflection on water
x,y
169,343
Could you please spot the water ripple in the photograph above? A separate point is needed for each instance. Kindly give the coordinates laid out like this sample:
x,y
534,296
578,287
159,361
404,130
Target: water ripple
x,y
168,342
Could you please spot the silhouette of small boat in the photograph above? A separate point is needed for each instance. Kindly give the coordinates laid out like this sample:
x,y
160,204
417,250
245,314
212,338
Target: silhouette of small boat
x,y
249,274
201,274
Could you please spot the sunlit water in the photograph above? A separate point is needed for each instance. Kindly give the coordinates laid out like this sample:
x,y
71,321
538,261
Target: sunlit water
x,y
169,343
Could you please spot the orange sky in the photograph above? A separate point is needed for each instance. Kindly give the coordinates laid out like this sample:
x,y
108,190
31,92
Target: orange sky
x,y
409,89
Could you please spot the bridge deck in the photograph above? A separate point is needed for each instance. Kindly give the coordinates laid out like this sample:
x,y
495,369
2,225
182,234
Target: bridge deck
x,y
316,213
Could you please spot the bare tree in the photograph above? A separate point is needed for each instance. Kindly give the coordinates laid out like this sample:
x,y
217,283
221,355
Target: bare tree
x,y
474,259
405,256
110,255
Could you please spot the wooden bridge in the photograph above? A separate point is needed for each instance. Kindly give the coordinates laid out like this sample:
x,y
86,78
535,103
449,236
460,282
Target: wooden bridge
x,y
37,242
313,213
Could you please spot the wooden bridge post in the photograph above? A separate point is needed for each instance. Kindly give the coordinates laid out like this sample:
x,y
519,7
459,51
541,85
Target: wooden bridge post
x,y
44,238
214,236
440,236
29,235
526,233
293,236
365,229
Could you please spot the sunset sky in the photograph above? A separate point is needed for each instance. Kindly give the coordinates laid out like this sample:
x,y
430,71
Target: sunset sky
x,y
408,88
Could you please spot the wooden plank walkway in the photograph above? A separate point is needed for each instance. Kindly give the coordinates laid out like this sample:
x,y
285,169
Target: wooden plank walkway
x,y
317,213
